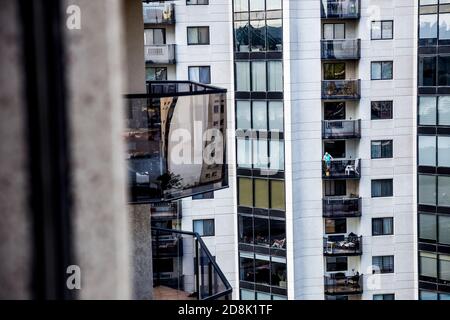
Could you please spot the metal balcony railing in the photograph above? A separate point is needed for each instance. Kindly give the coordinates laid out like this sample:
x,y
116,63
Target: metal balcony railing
x,y
342,169
341,49
340,9
160,54
159,13
341,284
342,246
341,89
195,275
341,129
341,207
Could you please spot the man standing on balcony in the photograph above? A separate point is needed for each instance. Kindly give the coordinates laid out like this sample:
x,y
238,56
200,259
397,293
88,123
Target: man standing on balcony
x,y
327,158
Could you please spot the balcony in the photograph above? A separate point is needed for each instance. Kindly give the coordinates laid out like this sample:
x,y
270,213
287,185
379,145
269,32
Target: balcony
x,y
160,54
342,246
340,9
341,49
341,284
341,207
167,159
194,276
166,211
341,129
159,13
341,89
342,169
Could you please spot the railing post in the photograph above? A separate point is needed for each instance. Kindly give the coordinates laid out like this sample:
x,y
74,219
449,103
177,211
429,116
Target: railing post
x,y
158,273
197,268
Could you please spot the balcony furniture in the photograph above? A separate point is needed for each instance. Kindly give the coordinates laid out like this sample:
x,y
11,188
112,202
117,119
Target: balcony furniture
x,y
343,246
341,89
159,13
342,169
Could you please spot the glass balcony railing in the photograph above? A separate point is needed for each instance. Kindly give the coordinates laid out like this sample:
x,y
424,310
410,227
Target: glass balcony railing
x,y
340,9
167,246
342,246
341,284
193,275
341,207
341,89
341,129
341,49
175,141
342,169
160,54
159,13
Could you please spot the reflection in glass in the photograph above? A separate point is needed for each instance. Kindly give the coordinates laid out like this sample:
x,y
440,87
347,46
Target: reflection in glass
x,y
428,26
275,71
444,26
242,36
258,35
444,191
242,76
427,190
243,115
444,151
258,76
427,151
274,35
427,110
444,110
427,226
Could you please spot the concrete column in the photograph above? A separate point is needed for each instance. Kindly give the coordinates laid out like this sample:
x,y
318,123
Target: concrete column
x,y
95,76
15,221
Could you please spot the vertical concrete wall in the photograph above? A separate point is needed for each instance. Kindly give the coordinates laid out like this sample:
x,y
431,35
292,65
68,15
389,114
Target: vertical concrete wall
x,y
95,76
15,224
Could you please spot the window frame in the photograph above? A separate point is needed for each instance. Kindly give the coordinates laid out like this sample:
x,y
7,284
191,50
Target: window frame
x,y
384,102
197,4
198,43
381,268
381,29
381,149
381,196
199,67
382,63
383,231
203,222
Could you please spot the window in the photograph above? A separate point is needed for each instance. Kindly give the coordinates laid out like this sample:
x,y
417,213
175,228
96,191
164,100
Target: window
x,y
335,188
261,193
384,296
443,191
427,227
246,267
337,264
203,196
427,151
382,188
443,229
427,190
333,226
257,35
428,295
156,73
200,74
262,269
274,35
427,71
444,110
154,36
273,4
276,116
260,154
381,149
336,148
382,226
428,265
444,26
242,76
277,234
244,153
383,264
334,111
444,71
247,295
243,115
381,110
382,70
333,31
275,74
197,35
241,36
196,2
246,229
444,267
259,76
276,159
382,30
240,5
279,273
259,115
257,5
204,228
261,230
245,192
334,71
277,196
428,26
427,110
